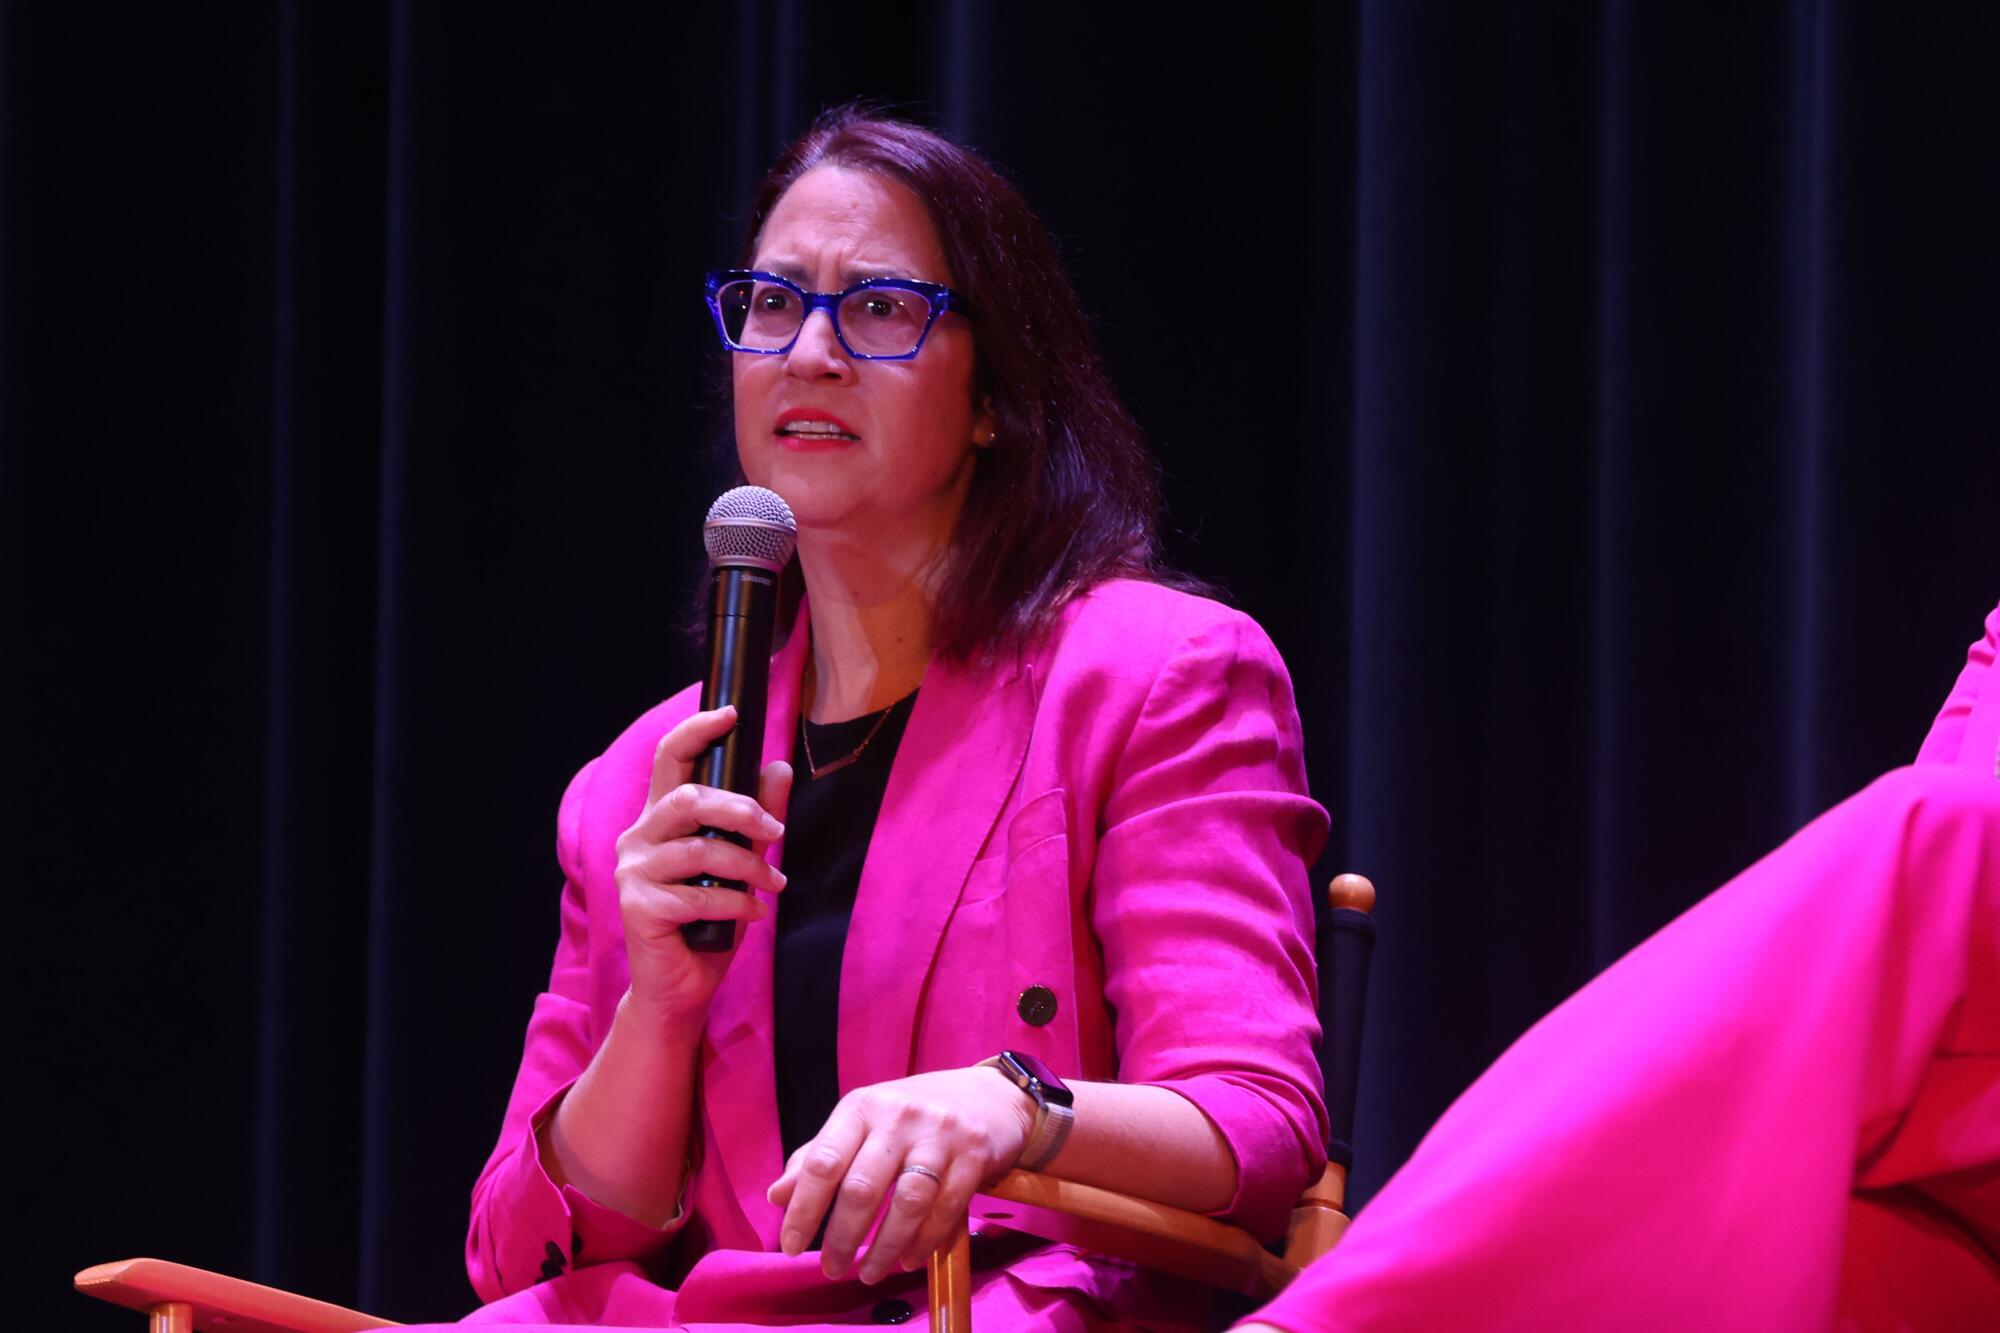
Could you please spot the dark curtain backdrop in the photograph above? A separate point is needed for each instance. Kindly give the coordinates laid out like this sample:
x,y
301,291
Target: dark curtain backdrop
x,y
1597,402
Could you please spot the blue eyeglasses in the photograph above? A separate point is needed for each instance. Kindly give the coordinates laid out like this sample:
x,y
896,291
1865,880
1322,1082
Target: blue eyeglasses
x,y
882,319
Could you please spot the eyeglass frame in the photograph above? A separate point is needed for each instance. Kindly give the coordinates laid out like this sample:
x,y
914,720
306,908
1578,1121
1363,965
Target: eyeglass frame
x,y
937,296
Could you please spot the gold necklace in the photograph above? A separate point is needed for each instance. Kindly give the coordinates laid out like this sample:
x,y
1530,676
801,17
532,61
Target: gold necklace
x,y
818,771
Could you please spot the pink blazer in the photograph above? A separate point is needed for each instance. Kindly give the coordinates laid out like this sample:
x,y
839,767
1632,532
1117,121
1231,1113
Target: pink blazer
x,y
1121,818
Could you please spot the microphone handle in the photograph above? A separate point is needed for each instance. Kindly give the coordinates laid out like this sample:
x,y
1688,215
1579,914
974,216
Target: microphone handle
x,y
742,614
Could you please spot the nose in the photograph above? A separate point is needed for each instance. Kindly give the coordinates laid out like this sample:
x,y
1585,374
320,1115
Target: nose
x,y
818,355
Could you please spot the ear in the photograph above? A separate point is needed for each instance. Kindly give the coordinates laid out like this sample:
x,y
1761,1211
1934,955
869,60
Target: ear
x,y
985,423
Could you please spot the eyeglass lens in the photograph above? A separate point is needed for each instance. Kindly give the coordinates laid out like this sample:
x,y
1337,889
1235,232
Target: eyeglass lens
x,y
875,321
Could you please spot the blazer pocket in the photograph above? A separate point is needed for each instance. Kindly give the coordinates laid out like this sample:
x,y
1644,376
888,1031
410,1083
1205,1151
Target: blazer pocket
x,y
1040,820
1010,931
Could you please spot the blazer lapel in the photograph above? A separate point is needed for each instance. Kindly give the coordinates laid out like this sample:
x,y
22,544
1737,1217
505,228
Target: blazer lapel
x,y
960,755
739,1079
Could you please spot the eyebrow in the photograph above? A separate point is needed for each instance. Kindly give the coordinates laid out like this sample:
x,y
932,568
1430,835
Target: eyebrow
x,y
848,278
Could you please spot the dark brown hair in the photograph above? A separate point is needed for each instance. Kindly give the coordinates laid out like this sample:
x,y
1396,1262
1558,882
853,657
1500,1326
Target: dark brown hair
x,y
1068,494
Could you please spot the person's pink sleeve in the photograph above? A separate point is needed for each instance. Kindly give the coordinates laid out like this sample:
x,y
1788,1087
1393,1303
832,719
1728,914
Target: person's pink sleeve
x,y
1201,903
1967,730
525,1228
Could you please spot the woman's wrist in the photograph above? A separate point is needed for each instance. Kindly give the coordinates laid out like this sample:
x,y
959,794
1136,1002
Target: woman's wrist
x,y
621,1132
1009,1094
677,1019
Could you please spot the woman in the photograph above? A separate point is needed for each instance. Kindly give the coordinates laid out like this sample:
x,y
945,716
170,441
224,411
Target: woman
x,y
1089,838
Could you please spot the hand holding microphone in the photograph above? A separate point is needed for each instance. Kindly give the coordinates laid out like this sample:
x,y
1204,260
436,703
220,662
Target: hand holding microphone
x,y
749,534
671,877
698,844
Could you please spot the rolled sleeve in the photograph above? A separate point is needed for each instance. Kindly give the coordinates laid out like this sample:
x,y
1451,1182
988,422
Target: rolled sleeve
x,y
527,1229
1259,1119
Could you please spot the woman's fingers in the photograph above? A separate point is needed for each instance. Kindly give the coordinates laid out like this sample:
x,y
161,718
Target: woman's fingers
x,y
820,1167
780,1192
911,1152
869,1177
673,758
962,1180
684,858
914,1198
774,789
665,908
675,806
666,848
690,806
923,1205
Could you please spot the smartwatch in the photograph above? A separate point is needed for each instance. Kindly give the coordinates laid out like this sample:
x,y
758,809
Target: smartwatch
x,y
1053,1106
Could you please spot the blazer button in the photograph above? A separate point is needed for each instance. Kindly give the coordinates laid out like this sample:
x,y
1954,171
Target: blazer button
x,y
891,1311
555,1263
1037,1006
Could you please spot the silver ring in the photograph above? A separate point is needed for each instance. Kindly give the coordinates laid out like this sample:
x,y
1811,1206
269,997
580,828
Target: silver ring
x,y
912,1169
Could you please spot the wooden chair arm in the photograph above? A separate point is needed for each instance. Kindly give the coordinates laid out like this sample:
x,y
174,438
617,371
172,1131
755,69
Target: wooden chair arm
x,y
1134,1229
181,1299
1103,1222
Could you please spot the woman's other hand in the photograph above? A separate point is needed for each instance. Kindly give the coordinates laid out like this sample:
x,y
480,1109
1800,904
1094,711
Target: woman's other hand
x,y
964,1126
662,850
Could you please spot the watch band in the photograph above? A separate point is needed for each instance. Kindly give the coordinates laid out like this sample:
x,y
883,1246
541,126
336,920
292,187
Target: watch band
x,y
1052,1126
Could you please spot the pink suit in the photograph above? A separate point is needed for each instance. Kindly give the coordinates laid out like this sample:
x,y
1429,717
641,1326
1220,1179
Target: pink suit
x,y
1781,1112
1121,817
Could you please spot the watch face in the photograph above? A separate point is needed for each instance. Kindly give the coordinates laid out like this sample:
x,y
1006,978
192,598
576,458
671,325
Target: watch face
x,y
1053,1088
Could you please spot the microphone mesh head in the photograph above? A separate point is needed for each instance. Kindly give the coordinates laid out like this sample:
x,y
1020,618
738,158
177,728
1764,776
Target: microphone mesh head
x,y
750,526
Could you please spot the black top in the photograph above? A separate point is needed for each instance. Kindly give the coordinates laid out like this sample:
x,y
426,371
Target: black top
x,y
827,830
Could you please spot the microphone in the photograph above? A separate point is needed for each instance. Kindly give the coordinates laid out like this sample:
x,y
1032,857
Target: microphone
x,y
749,533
